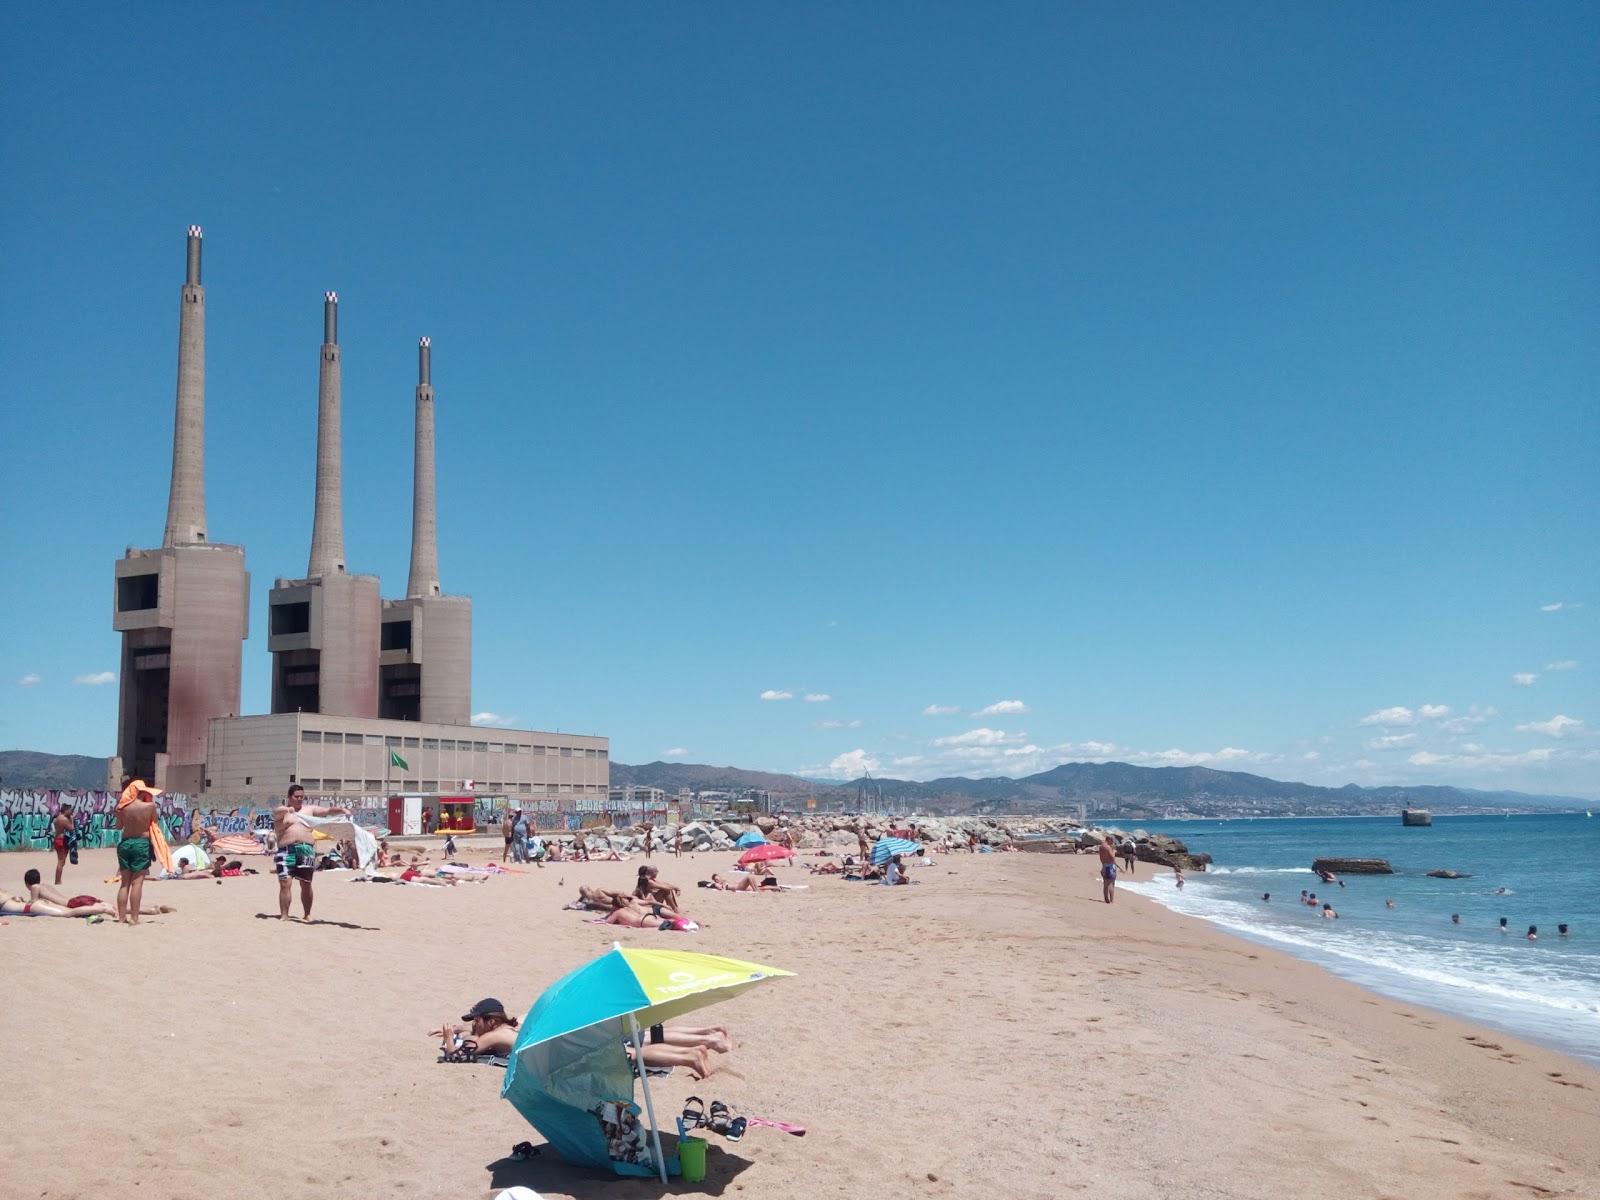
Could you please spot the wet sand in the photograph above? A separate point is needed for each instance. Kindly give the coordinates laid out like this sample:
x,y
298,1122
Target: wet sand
x,y
993,1031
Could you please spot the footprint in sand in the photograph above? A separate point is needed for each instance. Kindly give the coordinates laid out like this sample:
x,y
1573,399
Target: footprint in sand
x,y
1532,1187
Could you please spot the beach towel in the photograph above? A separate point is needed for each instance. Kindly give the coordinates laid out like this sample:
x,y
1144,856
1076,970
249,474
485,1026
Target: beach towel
x,y
235,844
344,827
158,840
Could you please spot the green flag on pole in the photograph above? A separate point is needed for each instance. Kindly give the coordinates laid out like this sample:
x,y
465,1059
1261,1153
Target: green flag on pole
x,y
396,761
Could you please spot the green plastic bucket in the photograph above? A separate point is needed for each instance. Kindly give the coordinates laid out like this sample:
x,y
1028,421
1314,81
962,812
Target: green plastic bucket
x,y
692,1158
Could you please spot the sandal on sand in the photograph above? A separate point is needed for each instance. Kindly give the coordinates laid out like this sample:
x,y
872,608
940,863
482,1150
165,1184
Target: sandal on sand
x,y
523,1151
694,1114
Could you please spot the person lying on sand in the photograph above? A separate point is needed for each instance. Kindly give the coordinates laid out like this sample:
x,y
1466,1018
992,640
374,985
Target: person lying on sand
x,y
638,918
740,883
45,901
827,868
488,1030
186,871
598,899
651,888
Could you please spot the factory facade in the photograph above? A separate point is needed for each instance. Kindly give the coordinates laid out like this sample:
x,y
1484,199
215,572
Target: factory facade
x,y
368,695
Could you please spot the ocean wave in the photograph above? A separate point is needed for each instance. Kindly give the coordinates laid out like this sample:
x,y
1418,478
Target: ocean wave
x,y
1259,871
1369,955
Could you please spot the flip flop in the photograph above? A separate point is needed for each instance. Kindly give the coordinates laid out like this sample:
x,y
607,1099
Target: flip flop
x,y
694,1115
735,1129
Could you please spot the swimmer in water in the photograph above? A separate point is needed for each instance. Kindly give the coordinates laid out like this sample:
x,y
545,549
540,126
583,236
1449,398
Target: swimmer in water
x,y
1265,896
1503,928
1388,903
1328,914
1533,933
1455,918
1561,930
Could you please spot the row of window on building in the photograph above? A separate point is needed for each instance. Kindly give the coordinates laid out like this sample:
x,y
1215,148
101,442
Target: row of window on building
x,y
377,786
317,737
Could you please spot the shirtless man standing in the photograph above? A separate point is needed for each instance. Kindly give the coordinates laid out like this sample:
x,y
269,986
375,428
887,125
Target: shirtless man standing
x,y
63,838
1108,868
295,858
507,824
134,853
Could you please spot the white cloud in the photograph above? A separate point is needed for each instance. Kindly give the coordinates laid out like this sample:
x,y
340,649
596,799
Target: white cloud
x,y
1364,764
1469,720
1088,749
836,723
980,737
1198,758
1390,717
1565,664
1553,606
1392,741
852,764
941,710
1311,755
908,760
775,694
1557,726
1434,712
675,752
817,697
492,719
96,679
1001,708
1524,678
29,680
1484,760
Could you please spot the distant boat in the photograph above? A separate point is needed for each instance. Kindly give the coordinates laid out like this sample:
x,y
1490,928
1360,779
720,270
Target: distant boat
x,y
1415,816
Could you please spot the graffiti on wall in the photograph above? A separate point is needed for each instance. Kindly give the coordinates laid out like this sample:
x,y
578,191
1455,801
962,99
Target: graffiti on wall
x,y
26,816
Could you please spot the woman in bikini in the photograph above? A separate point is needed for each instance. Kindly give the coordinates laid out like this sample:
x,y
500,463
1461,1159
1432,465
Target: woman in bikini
x,y
43,900
744,883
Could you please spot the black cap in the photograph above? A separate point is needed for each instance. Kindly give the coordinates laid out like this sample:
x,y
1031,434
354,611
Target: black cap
x,y
484,1008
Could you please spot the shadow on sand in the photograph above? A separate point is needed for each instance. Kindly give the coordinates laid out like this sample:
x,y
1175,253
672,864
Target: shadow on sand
x,y
546,1172
293,920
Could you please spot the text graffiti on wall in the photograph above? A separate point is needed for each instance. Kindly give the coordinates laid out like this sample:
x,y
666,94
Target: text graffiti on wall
x,y
26,816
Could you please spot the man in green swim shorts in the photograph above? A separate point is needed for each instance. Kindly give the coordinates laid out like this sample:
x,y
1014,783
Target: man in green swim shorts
x,y
296,859
134,853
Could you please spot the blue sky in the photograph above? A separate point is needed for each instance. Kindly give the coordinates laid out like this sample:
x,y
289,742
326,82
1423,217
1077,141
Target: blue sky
x,y
1166,383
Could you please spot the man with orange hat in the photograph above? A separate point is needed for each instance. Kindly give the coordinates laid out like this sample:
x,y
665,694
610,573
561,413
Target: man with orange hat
x,y
136,812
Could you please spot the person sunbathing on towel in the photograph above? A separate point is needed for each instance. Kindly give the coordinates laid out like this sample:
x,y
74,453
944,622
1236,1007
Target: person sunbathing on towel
x,y
185,871
639,918
743,883
695,1058
488,1030
827,868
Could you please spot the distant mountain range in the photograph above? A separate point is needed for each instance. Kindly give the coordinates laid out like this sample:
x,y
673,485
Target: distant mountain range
x,y
1111,788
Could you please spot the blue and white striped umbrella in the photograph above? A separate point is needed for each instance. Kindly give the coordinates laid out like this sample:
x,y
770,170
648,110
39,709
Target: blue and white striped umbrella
x,y
886,848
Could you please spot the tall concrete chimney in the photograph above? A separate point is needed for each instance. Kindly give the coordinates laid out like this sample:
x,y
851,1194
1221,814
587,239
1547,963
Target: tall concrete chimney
x,y
327,526
186,502
424,579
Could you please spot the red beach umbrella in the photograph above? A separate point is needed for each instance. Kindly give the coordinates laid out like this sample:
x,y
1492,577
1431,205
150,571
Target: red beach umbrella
x,y
765,852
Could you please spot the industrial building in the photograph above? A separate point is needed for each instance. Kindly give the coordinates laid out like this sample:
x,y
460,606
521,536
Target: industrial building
x,y
332,756
368,696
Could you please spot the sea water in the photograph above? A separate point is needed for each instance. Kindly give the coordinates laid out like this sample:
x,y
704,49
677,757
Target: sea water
x,y
1541,869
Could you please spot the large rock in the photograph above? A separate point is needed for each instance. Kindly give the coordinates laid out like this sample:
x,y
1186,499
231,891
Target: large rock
x,y
1353,866
1446,873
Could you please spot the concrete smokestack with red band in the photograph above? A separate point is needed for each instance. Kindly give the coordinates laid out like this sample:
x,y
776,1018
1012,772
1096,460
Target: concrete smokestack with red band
x,y
327,525
424,580
186,500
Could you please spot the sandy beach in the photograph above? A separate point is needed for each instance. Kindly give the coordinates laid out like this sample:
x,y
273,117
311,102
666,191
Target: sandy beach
x,y
994,1031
